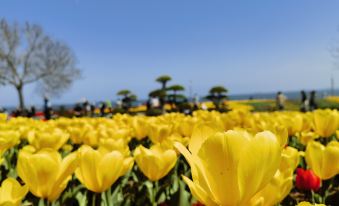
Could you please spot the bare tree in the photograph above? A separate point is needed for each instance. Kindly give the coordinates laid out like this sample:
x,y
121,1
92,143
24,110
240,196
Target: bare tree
x,y
28,55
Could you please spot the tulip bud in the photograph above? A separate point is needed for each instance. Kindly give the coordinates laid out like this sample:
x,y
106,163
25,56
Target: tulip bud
x,y
48,138
156,162
44,172
97,170
325,122
8,139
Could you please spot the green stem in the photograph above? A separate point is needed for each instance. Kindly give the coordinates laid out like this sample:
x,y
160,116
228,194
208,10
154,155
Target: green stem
x,y
313,199
96,198
155,188
43,202
327,191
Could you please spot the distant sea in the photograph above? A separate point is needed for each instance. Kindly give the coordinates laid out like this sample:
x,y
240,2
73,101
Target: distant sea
x,y
321,93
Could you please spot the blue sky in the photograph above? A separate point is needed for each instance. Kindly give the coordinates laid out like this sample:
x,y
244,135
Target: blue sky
x,y
247,46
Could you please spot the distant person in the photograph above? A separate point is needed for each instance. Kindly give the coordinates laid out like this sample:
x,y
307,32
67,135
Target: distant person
x,y
148,104
103,109
304,102
126,103
86,106
204,106
92,109
77,110
312,103
196,102
119,104
280,101
47,109
31,112
155,102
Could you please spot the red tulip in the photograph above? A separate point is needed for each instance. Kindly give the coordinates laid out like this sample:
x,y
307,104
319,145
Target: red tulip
x,y
307,180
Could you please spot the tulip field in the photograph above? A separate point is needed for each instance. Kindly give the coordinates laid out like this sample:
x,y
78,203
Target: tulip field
x,y
238,158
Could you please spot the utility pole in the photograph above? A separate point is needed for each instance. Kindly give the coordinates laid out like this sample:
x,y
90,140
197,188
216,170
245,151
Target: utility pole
x,y
190,91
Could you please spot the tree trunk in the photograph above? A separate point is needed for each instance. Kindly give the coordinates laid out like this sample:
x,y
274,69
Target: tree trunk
x,y
21,97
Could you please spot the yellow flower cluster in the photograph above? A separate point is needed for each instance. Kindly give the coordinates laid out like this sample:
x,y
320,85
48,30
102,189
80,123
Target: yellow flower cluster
x,y
236,158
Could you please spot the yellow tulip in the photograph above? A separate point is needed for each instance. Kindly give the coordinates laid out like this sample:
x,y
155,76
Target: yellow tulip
x,y
155,162
309,204
159,132
77,133
109,144
229,168
140,128
11,192
3,117
49,137
294,122
8,139
185,127
44,172
306,137
169,142
325,122
282,182
91,137
84,133
275,191
280,132
97,171
199,135
289,159
324,161
114,133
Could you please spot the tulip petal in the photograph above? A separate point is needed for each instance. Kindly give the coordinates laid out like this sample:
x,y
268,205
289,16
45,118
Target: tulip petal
x,y
46,165
259,162
314,156
68,165
109,169
87,170
220,154
331,160
199,192
199,135
198,173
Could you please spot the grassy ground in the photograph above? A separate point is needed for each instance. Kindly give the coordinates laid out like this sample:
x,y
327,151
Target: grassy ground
x,y
291,105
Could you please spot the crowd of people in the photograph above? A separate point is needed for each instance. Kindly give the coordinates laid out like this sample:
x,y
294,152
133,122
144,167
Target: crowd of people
x,y
85,108
306,104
